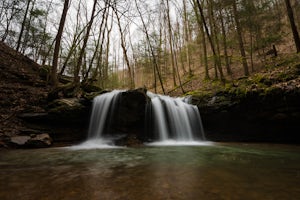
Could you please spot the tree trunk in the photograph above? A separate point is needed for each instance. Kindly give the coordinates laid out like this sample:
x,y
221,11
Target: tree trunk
x,y
82,50
224,39
123,45
240,38
23,25
75,42
57,43
203,40
156,68
293,24
186,37
27,29
171,44
42,46
9,20
99,42
218,62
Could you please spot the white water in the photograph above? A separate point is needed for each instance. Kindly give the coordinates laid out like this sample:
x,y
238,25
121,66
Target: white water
x,y
180,143
95,144
175,122
103,105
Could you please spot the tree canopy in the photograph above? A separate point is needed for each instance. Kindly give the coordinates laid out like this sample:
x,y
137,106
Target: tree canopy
x,y
160,44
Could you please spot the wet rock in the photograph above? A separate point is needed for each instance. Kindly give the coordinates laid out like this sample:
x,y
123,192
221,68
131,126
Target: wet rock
x,y
66,120
32,141
65,105
20,140
129,115
126,117
270,115
39,141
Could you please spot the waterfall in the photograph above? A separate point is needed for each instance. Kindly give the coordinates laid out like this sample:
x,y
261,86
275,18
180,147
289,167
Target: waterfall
x,y
166,119
102,111
174,119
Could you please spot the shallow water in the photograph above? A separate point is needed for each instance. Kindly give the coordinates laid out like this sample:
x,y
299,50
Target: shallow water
x,y
221,171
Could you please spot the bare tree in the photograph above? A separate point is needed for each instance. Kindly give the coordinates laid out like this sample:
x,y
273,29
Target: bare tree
x,y
123,45
23,25
293,24
240,38
217,58
57,43
9,11
156,69
224,40
203,39
99,42
187,36
171,43
76,80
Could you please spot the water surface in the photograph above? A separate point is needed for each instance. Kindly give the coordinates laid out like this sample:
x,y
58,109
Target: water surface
x,y
222,171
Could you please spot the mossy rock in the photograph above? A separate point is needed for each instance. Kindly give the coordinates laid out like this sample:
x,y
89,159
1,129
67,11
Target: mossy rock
x,y
90,96
64,91
63,106
89,88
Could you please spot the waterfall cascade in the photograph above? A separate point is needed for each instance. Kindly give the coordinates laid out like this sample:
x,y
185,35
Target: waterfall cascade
x,y
174,119
102,111
166,119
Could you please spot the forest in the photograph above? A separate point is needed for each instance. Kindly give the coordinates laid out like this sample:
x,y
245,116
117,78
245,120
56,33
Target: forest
x,y
149,99
163,45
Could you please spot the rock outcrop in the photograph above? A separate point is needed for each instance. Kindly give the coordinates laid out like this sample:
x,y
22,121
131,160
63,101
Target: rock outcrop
x,y
33,141
262,108
66,120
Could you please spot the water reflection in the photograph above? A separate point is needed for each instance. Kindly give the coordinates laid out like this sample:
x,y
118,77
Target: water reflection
x,y
197,172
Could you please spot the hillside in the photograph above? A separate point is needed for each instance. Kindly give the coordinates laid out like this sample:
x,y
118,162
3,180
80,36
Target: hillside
x,y
256,108
21,90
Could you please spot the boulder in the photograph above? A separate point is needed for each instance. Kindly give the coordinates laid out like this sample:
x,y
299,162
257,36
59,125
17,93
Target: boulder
x,y
20,140
39,141
32,141
132,106
128,116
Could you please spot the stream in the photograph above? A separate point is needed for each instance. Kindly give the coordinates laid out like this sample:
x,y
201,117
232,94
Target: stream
x,y
215,171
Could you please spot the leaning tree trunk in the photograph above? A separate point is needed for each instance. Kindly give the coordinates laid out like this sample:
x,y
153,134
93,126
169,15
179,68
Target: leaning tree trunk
x,y
123,45
23,25
155,62
293,24
82,50
57,43
218,61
